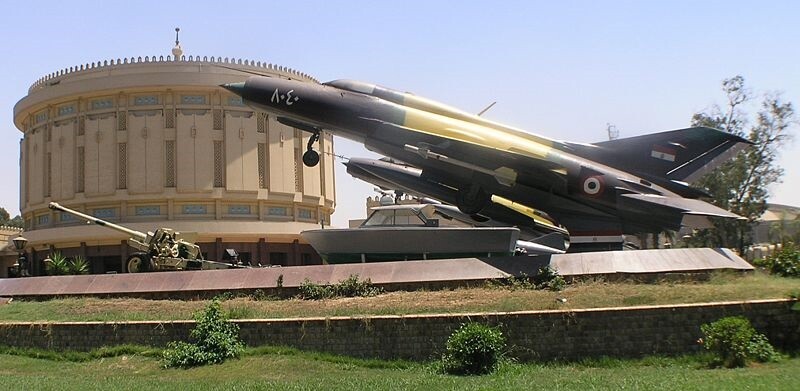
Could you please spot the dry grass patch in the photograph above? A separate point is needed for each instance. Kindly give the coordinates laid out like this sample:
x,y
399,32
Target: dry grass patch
x,y
592,294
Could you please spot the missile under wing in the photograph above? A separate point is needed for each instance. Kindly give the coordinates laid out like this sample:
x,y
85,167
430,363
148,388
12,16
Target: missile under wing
x,y
634,185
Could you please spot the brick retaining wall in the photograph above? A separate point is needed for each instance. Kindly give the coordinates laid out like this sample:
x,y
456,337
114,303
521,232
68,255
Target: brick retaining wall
x,y
545,335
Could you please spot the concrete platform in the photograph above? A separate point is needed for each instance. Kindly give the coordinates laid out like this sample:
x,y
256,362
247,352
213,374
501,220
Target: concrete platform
x,y
389,275
679,260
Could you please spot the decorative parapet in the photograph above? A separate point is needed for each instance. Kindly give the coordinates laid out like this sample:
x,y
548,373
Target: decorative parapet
x,y
5,228
55,77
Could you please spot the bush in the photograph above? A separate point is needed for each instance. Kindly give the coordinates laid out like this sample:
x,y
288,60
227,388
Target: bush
x,y
311,291
59,265
734,341
349,287
545,278
761,350
78,265
473,349
548,278
214,338
353,287
56,265
784,262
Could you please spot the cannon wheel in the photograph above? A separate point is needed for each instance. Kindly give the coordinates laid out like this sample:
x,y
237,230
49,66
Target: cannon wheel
x,y
139,263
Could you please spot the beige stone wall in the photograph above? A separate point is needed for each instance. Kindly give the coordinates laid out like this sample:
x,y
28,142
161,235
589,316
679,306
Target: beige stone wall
x,y
158,143
531,335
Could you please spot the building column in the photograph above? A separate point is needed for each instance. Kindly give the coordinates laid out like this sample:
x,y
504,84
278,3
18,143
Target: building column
x,y
294,259
33,263
123,254
218,249
263,252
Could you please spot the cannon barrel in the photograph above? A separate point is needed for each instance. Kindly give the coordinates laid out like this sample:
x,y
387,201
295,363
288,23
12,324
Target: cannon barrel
x,y
140,236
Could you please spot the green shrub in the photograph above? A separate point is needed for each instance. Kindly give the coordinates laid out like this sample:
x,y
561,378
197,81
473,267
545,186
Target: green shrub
x,y
350,287
78,265
57,265
734,341
521,282
548,278
354,287
761,350
784,262
545,278
214,340
311,291
473,349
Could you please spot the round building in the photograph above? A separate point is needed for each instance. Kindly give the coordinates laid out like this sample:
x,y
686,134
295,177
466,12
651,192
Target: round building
x,y
155,142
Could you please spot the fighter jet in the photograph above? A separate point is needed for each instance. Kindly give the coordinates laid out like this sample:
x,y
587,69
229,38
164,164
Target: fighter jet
x,y
632,185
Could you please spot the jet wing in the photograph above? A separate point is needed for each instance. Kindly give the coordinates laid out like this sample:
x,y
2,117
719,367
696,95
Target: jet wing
x,y
686,205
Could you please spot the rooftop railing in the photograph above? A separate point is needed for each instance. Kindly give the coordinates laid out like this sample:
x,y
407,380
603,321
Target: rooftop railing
x,y
55,77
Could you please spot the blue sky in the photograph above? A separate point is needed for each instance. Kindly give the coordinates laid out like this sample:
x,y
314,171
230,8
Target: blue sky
x,y
559,69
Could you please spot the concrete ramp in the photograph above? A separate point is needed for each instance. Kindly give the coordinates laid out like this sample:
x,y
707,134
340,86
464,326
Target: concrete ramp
x,y
389,275
679,260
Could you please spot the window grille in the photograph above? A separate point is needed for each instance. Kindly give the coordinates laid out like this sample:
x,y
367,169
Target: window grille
x,y
217,114
122,120
123,166
169,119
195,209
169,151
102,104
193,99
145,100
65,110
261,123
262,166
219,164
104,213
277,211
79,170
239,209
81,125
154,210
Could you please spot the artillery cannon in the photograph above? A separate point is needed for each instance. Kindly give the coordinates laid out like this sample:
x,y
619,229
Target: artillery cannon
x,y
160,250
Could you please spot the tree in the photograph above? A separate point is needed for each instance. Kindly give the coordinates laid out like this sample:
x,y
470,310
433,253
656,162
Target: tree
x,y
16,222
741,184
5,219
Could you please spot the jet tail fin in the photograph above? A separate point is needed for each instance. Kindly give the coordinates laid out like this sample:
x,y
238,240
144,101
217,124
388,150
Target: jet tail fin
x,y
682,155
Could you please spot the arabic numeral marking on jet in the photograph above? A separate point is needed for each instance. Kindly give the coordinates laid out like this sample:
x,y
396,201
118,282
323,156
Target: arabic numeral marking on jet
x,y
287,98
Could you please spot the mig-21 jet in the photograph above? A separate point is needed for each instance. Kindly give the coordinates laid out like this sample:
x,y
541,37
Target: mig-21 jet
x,y
632,185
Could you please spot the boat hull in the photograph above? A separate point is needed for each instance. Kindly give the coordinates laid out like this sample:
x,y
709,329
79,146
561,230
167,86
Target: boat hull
x,y
377,244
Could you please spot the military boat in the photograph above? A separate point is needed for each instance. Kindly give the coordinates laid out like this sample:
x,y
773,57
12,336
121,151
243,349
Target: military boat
x,y
409,232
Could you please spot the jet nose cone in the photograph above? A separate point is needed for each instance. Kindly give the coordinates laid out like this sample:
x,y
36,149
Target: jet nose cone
x,y
236,88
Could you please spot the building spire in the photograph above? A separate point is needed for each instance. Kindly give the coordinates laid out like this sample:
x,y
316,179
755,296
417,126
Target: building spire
x,y
177,52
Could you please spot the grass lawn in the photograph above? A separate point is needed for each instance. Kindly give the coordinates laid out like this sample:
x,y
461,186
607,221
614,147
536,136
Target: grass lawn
x,y
274,368
596,294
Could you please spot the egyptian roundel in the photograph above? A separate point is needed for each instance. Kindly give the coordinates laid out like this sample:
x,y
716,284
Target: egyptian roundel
x,y
593,185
